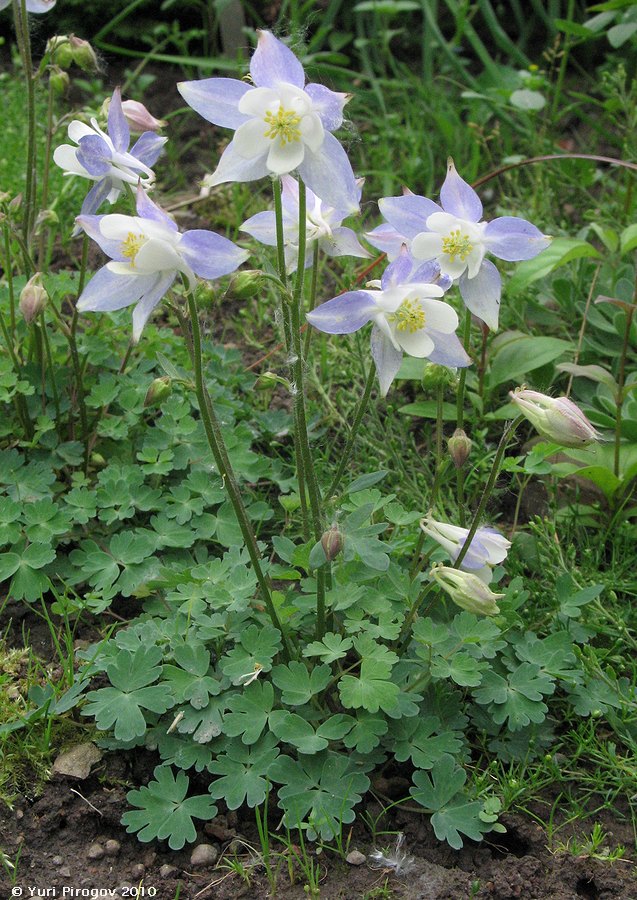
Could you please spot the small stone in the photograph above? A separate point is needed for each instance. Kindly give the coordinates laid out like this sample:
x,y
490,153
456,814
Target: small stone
x,y
204,855
355,858
65,872
166,871
19,813
95,851
112,847
57,861
138,870
78,761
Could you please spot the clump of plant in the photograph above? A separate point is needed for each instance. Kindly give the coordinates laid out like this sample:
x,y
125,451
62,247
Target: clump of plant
x,y
297,657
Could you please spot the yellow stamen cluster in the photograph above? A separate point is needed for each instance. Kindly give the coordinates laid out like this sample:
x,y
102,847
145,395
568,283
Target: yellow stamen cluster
x,y
284,124
409,316
457,244
131,245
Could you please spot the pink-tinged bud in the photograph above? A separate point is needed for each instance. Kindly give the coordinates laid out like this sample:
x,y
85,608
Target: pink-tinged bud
x,y
83,54
159,390
33,298
332,543
467,591
459,447
139,118
556,418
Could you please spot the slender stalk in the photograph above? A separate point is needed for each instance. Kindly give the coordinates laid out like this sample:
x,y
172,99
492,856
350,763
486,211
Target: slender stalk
x,y
20,400
580,336
415,560
280,242
488,488
24,44
351,437
222,460
312,303
557,92
78,372
8,271
621,379
466,340
44,197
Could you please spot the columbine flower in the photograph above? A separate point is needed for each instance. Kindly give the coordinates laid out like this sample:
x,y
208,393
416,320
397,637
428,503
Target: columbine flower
x,y
147,253
280,125
33,6
105,158
556,418
407,315
323,226
467,591
488,547
454,235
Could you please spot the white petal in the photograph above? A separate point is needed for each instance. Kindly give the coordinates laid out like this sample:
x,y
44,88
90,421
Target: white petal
x,y
283,158
65,157
426,245
157,256
256,101
250,139
312,131
117,227
417,344
77,130
439,315
443,223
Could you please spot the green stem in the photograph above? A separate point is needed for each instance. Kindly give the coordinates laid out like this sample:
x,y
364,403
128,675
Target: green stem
x,y
54,388
300,415
8,271
351,437
78,372
22,26
466,340
44,199
280,240
222,460
563,64
621,378
488,488
20,399
439,435
312,303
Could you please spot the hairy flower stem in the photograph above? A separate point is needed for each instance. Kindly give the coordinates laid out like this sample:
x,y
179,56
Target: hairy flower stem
x,y
415,561
44,197
8,271
300,415
24,46
353,432
312,303
78,373
621,379
466,340
222,460
19,399
488,488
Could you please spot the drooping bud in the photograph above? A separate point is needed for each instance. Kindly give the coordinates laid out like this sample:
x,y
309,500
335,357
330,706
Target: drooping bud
x,y
467,591
459,445
246,284
60,49
435,376
556,418
139,118
59,81
205,294
83,54
159,390
33,298
332,543
46,219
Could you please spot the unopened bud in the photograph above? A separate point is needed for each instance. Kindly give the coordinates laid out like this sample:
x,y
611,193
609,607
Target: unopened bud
x,y
61,51
459,445
435,376
16,203
159,390
98,460
33,298
139,118
467,591
332,543
267,381
246,284
46,218
59,81
83,54
205,294
556,418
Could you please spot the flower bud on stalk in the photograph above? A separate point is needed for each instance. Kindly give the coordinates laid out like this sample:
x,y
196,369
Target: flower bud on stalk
x,y
246,284
60,50
159,390
33,298
435,376
332,543
83,54
467,591
59,80
139,118
459,447
556,418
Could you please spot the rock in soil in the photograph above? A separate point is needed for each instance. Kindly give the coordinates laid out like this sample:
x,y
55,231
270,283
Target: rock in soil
x,y
204,855
112,847
77,762
95,851
355,858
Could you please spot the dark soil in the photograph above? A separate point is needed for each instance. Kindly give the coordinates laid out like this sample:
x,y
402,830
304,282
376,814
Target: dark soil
x,y
57,829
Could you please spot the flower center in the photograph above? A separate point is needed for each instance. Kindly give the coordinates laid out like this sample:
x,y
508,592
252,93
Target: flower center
x,y
457,244
131,245
409,316
283,124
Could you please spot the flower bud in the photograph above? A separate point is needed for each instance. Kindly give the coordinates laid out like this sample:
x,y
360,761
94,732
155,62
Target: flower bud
x,y
332,543
205,294
16,203
33,298
46,218
459,447
467,591
60,50
83,54
556,418
139,118
59,81
159,390
246,284
435,376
